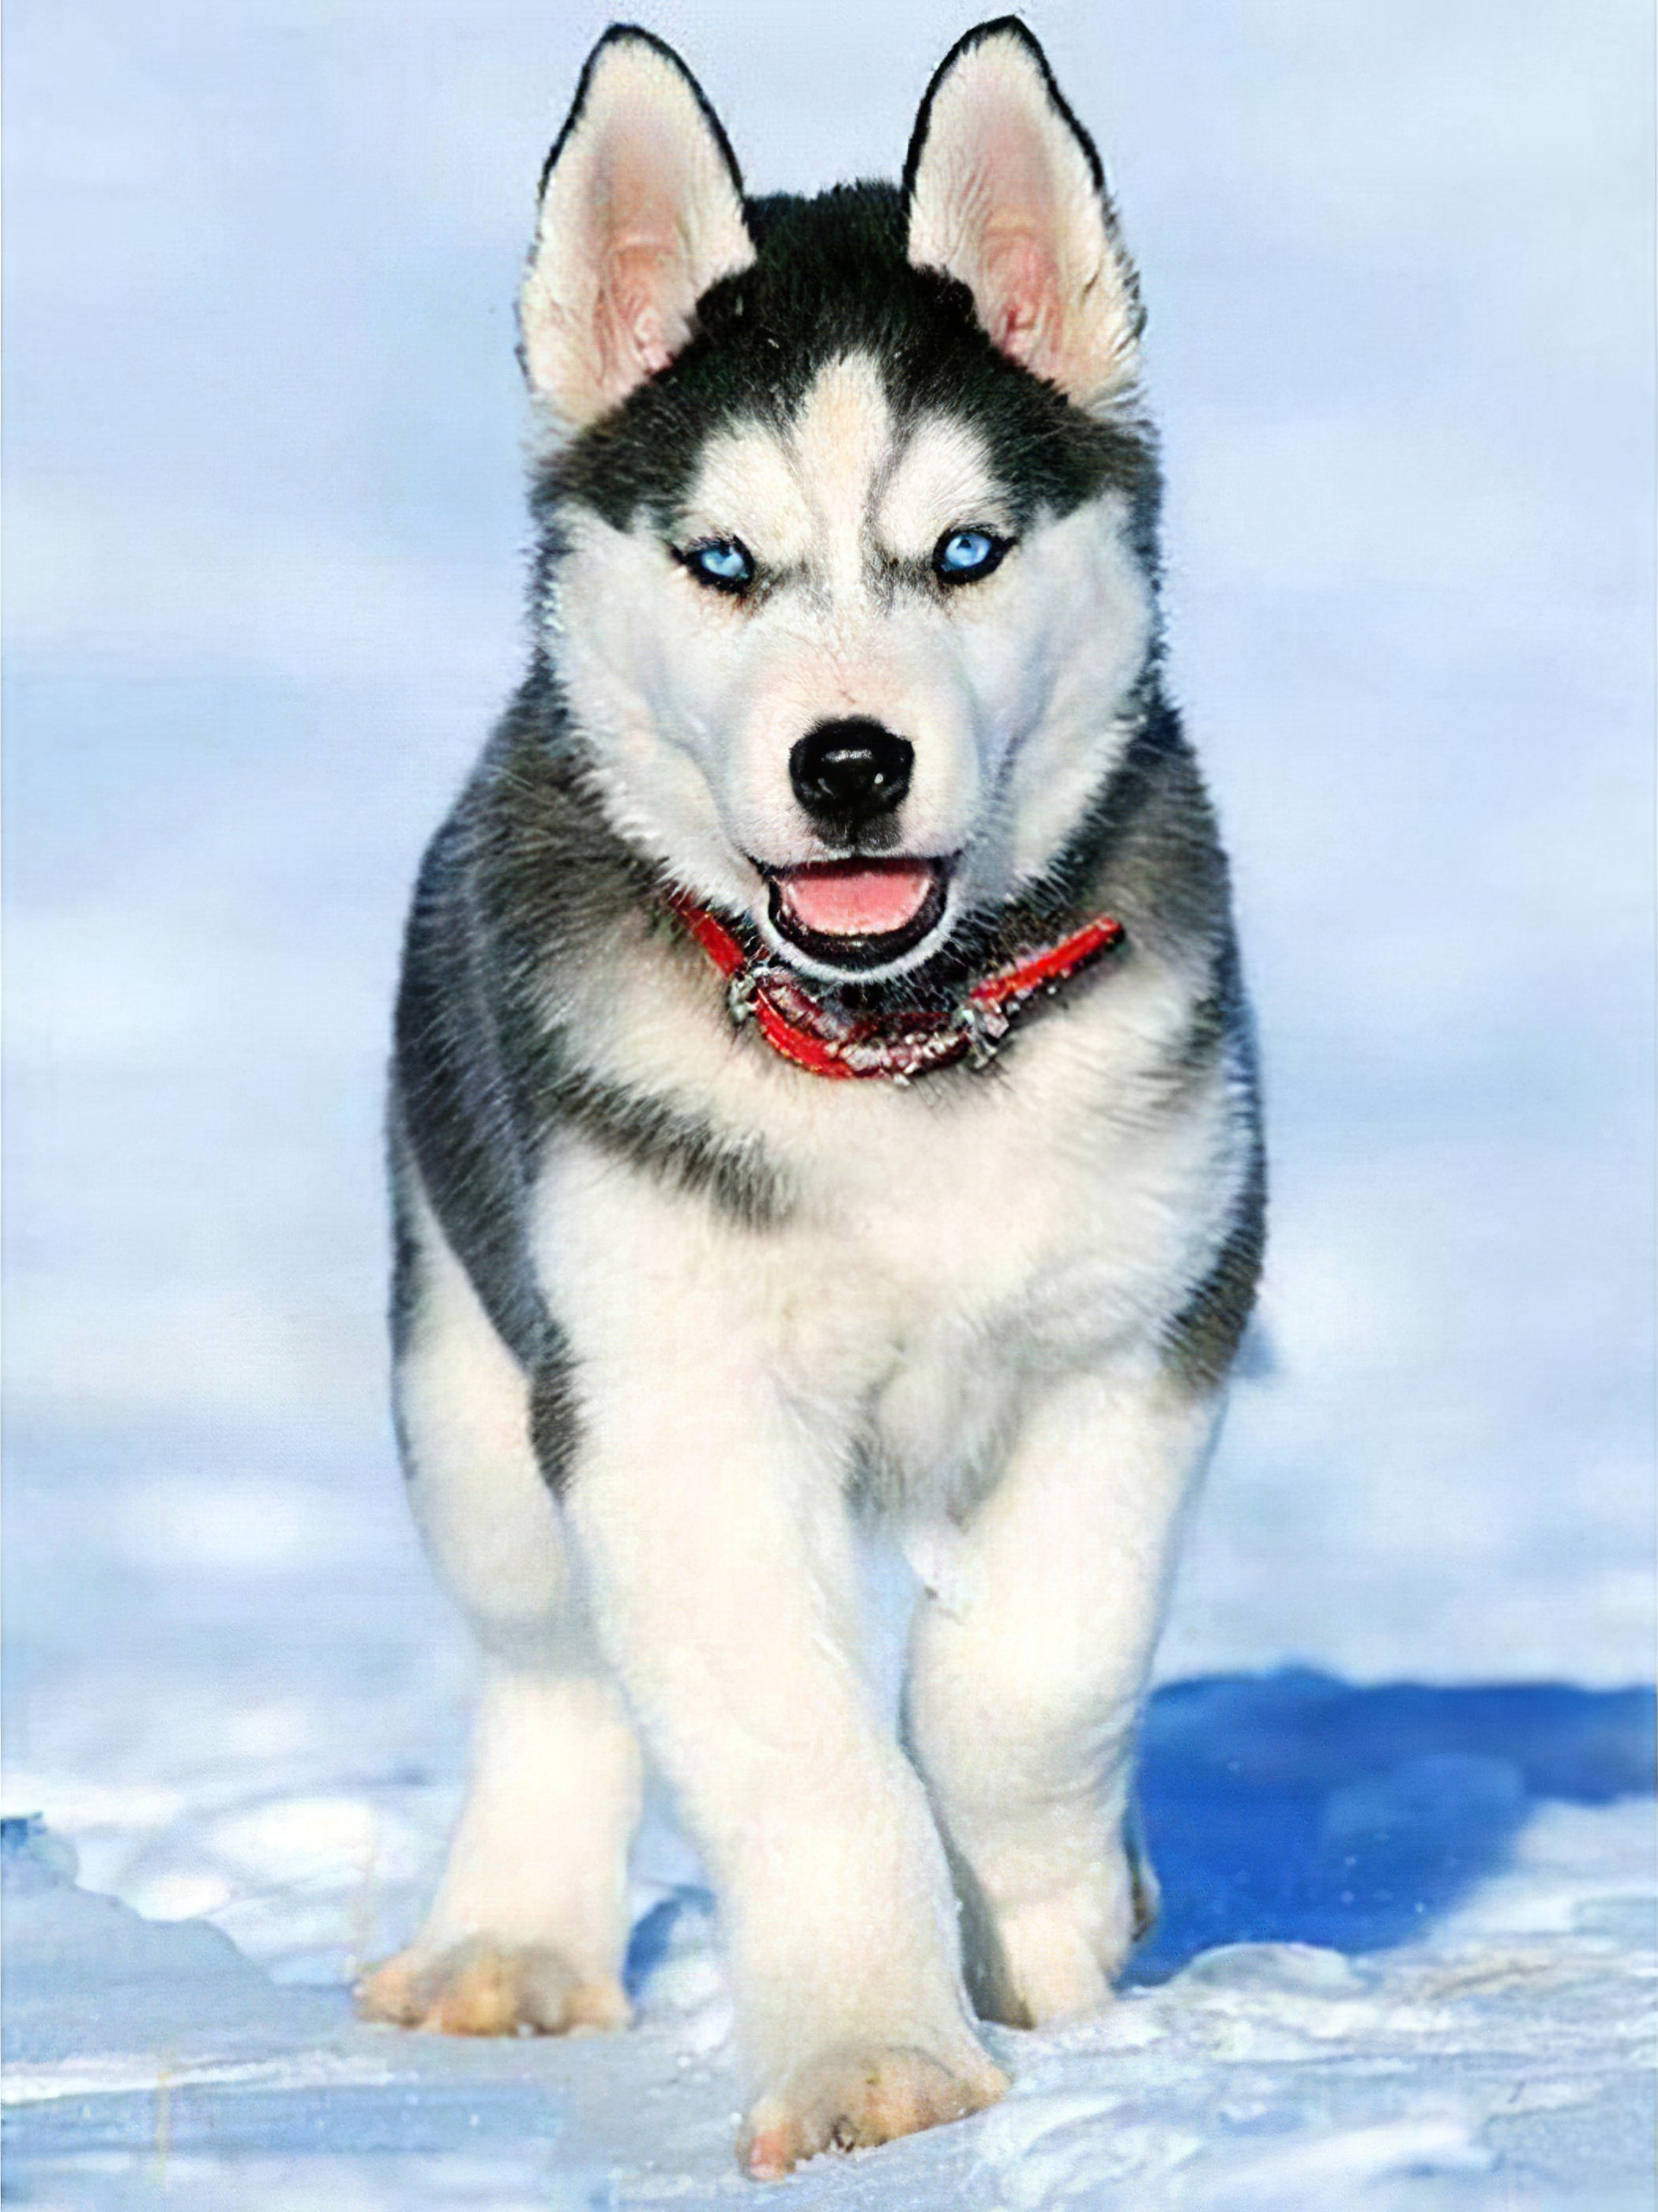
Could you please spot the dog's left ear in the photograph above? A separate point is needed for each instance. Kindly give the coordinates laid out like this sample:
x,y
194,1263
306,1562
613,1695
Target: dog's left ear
x,y
1006,194
642,211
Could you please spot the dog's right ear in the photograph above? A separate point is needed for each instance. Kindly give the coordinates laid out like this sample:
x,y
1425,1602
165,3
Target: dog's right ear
x,y
642,211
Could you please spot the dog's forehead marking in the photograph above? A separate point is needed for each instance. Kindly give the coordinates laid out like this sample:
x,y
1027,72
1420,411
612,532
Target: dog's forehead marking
x,y
942,477
799,492
841,439
842,477
746,486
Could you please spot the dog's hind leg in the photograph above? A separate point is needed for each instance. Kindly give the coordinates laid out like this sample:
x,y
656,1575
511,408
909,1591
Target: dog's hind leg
x,y
1028,1672
530,1921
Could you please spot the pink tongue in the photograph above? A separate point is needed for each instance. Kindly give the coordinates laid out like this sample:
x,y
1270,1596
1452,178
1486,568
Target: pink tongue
x,y
857,902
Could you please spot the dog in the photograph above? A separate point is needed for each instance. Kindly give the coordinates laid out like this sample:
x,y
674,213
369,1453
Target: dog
x,y
824,1095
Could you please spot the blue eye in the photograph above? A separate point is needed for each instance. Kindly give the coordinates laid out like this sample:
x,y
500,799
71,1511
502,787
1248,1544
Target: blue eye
x,y
962,555
725,562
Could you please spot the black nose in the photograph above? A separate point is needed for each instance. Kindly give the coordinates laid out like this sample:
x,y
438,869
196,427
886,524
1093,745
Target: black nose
x,y
846,774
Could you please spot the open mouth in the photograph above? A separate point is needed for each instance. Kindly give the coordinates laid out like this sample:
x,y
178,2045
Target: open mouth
x,y
856,914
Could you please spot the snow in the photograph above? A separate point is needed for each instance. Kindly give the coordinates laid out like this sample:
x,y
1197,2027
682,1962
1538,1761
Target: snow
x,y
261,599
1493,2056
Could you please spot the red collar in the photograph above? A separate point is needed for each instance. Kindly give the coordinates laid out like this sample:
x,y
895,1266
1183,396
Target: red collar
x,y
827,1043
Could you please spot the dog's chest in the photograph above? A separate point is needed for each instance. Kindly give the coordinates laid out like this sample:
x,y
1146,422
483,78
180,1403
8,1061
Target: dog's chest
x,y
945,1243
1011,1232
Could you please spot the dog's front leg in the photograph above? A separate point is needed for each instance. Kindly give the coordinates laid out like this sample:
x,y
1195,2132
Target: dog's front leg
x,y
711,1516
1028,1671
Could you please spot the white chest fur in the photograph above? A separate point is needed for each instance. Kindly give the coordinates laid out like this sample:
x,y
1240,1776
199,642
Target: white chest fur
x,y
944,1246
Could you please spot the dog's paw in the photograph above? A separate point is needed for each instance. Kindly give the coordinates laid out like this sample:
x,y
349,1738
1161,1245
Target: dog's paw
x,y
1145,1892
851,2099
1037,1961
1051,1969
482,1988
1055,1958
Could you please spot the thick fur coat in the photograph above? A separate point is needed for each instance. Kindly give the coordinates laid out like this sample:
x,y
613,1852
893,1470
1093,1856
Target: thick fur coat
x,y
845,628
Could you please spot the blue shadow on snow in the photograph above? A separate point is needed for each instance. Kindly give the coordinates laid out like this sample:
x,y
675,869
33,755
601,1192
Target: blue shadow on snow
x,y
1292,1808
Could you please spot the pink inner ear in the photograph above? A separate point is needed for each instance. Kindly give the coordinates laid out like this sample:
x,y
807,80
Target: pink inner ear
x,y
640,214
1006,199
633,314
642,305
1017,286
1020,296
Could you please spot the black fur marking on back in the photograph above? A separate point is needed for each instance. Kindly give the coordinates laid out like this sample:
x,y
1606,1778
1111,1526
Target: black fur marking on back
x,y
555,1415
1150,855
405,1252
454,1093
1203,1339
524,885
684,1148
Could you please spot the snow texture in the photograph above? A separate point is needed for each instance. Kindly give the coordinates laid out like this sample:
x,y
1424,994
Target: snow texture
x,y
263,596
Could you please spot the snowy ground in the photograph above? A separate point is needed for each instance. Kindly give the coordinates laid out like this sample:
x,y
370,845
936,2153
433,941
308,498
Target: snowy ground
x,y
1408,1962
261,599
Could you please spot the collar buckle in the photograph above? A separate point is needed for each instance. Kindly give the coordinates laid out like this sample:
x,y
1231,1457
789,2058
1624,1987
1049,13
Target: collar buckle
x,y
740,993
984,1028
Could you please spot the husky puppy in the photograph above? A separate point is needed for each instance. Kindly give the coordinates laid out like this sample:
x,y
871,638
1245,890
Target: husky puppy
x,y
823,1091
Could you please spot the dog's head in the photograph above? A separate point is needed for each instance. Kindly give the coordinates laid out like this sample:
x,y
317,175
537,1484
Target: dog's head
x,y
847,571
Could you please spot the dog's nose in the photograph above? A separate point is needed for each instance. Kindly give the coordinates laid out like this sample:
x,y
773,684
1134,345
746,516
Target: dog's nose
x,y
846,774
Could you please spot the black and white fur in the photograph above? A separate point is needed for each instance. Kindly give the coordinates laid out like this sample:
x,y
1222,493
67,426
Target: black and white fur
x,y
672,1315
